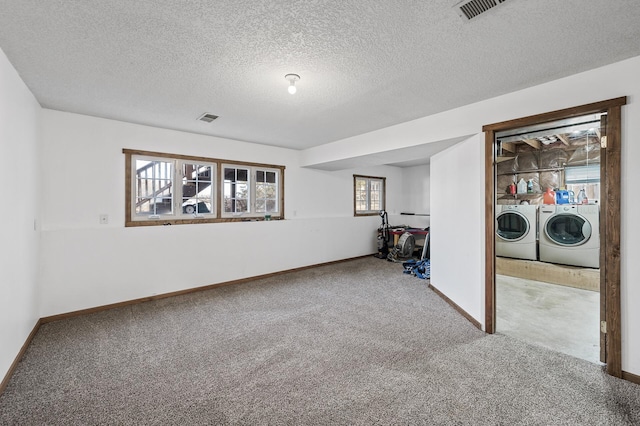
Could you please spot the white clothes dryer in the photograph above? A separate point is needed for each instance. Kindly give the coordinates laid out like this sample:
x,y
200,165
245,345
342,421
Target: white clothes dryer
x,y
516,231
570,234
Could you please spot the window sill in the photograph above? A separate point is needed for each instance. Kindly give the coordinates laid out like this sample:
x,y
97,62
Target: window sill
x,y
165,222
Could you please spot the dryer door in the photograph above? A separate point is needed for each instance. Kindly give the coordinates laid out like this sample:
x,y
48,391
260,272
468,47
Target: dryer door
x,y
512,226
568,230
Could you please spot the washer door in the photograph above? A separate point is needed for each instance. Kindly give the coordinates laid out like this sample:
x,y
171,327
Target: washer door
x,y
512,226
568,230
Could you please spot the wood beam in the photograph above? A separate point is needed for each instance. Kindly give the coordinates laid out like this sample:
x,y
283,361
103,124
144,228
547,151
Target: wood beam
x,y
490,256
533,143
612,235
504,158
508,146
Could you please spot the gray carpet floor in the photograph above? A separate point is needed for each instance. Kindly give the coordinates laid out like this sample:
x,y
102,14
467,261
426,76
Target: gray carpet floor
x,y
356,343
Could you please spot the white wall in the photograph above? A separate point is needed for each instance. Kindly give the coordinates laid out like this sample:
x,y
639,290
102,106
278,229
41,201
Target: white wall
x,y
457,228
20,175
612,81
86,264
416,182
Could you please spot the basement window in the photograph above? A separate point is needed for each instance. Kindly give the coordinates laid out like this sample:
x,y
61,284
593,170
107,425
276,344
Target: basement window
x,y
577,178
250,191
369,195
171,188
167,189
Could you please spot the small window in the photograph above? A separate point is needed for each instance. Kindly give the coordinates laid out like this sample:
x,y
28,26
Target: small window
x,y
585,178
369,195
267,191
158,195
236,190
153,187
582,174
250,191
197,189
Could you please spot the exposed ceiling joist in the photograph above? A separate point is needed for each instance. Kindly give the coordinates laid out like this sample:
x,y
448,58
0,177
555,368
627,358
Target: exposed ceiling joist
x,y
508,146
533,143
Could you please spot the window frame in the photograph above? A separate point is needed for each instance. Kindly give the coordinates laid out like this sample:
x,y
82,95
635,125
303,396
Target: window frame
x,y
178,217
180,202
222,185
171,177
585,177
252,171
178,197
582,174
383,198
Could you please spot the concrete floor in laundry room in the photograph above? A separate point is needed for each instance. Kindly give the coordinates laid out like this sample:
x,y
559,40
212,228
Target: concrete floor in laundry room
x,y
561,318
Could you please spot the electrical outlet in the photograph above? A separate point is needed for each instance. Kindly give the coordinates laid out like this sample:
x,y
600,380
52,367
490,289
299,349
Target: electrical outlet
x,y
104,219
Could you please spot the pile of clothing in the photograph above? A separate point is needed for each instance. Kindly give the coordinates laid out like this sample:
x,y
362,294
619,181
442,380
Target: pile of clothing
x,y
419,268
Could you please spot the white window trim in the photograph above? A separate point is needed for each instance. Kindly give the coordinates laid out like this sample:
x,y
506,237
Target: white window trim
x,y
176,183
214,180
252,173
584,174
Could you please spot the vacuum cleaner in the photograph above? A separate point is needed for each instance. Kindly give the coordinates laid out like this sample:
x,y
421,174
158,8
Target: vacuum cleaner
x,y
383,237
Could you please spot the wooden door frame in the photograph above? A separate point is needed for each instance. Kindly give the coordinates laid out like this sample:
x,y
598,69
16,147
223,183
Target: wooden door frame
x,y
609,201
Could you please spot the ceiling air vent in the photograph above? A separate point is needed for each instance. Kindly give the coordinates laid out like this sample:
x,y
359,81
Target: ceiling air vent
x,y
207,117
470,9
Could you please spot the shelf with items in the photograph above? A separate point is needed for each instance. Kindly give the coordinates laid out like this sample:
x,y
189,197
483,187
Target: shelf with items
x,y
519,198
538,178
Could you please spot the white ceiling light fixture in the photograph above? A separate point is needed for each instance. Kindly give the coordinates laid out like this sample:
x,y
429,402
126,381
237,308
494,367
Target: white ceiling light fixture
x,y
292,82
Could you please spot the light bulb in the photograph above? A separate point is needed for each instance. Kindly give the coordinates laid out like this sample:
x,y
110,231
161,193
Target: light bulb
x,y
292,82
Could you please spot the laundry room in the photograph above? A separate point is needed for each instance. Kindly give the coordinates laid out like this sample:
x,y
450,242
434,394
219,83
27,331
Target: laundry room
x,y
547,240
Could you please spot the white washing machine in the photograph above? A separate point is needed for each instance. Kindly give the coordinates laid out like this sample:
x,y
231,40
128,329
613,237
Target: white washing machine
x,y
570,234
516,231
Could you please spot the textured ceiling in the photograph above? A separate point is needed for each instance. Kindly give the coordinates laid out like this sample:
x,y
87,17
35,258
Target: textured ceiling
x,y
364,65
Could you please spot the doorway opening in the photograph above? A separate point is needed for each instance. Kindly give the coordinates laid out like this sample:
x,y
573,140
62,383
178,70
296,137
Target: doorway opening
x,y
547,240
604,246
